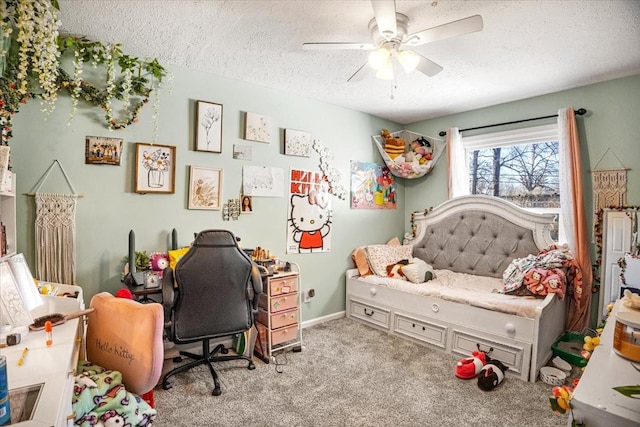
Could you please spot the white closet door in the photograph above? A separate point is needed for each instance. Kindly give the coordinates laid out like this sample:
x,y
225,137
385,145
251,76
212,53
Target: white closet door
x,y
616,240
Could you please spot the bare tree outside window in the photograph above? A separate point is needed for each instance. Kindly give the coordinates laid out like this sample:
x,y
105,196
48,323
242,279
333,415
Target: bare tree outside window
x,y
526,174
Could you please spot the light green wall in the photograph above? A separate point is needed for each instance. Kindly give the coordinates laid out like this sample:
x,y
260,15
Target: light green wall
x,y
109,207
612,122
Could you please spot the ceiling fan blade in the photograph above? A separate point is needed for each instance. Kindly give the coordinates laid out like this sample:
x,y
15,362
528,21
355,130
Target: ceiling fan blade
x,y
360,74
385,14
338,46
445,31
427,66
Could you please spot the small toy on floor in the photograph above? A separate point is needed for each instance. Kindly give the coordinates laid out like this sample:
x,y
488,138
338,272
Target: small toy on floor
x,y
491,375
470,367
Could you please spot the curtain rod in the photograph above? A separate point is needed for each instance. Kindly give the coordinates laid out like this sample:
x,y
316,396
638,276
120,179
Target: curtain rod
x,y
579,111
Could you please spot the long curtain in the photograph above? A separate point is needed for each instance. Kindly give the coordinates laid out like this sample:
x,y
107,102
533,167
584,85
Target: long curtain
x,y
457,174
573,216
55,230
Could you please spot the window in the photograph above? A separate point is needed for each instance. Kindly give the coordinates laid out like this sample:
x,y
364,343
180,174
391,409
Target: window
x,y
521,166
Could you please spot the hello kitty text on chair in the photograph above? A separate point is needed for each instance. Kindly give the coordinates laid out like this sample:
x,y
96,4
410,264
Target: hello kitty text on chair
x,y
310,211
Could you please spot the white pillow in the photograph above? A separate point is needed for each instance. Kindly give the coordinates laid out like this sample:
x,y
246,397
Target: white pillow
x,y
417,269
380,256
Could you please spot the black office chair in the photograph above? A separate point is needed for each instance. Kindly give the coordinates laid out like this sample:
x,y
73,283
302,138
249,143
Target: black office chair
x,y
215,295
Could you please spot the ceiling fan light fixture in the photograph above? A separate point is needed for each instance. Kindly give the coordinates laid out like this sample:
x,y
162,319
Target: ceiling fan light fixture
x,y
378,58
386,72
409,60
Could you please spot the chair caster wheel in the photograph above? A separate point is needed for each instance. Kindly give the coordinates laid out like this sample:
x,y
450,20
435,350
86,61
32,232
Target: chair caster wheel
x,y
177,359
166,386
251,366
224,350
216,392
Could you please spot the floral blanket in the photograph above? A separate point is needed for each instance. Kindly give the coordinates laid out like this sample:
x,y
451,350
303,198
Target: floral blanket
x,y
100,399
553,270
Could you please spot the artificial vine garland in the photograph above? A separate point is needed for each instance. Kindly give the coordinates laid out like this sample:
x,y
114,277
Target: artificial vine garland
x,y
32,68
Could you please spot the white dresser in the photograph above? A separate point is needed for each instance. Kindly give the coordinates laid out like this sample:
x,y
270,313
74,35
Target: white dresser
x,y
51,367
594,402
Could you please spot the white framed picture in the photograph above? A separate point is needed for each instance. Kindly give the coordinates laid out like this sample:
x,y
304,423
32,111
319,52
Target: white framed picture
x,y
205,188
258,127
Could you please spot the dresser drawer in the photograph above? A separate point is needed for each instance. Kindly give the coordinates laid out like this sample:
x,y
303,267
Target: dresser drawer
x,y
280,303
285,334
283,285
279,319
369,313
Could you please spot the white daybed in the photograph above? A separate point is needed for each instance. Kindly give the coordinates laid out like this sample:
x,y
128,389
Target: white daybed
x,y
478,236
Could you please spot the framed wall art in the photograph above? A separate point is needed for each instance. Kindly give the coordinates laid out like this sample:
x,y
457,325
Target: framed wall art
x,y
155,170
208,127
205,188
100,150
297,143
258,127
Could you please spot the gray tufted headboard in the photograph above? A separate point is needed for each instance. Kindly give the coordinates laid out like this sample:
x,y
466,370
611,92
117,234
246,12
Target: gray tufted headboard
x,y
478,235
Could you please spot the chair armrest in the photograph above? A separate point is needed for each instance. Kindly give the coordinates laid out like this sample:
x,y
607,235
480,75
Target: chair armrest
x,y
256,283
168,293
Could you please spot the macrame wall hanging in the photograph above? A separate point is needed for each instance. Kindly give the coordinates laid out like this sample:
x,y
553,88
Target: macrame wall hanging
x,y
55,232
609,185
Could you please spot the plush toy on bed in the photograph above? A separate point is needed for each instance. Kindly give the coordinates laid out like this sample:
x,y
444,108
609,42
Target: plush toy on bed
x,y
395,270
491,375
470,367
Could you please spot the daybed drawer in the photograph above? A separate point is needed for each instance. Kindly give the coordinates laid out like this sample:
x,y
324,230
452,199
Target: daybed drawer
x,y
283,285
279,319
369,313
516,355
430,333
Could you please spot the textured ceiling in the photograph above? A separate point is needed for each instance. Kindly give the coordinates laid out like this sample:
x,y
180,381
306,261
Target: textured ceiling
x,y
527,48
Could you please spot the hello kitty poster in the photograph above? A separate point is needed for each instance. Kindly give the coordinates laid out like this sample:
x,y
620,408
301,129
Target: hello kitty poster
x,y
309,214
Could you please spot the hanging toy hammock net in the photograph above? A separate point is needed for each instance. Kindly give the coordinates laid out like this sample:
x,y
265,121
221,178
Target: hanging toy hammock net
x,y
408,154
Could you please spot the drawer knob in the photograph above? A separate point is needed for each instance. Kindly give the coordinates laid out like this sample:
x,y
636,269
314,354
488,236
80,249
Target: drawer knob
x,y
368,312
374,291
510,328
435,308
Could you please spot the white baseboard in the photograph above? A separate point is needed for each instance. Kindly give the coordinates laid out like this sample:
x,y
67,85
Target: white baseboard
x,y
319,320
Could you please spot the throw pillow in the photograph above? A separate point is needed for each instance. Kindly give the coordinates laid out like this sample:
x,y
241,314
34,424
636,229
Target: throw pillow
x,y
417,271
380,256
175,255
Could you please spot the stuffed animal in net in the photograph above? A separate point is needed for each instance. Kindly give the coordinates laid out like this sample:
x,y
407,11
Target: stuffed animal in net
x,y
393,146
491,375
469,367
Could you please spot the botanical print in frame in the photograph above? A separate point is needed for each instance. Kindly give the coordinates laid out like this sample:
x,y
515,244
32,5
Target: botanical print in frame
x,y
155,168
101,150
297,143
205,188
257,127
208,127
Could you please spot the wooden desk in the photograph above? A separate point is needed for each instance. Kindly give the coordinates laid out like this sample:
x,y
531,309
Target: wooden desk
x,y
143,295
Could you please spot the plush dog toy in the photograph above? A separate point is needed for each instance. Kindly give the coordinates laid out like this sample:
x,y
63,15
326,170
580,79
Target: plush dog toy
x,y
470,367
491,375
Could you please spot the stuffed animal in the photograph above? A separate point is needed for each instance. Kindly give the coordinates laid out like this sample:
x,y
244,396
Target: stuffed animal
x,y
393,146
470,367
395,270
491,375
422,150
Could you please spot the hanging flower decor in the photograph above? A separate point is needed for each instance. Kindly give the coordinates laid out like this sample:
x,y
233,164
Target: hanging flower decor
x,y
31,67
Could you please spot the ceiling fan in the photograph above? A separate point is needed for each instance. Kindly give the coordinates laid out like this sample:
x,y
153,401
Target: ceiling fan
x,y
391,40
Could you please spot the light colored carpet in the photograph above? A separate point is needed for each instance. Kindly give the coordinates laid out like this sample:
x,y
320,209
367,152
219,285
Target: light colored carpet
x,y
349,374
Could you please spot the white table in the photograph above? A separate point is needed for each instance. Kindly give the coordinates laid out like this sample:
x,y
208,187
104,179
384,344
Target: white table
x,y
594,402
53,367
